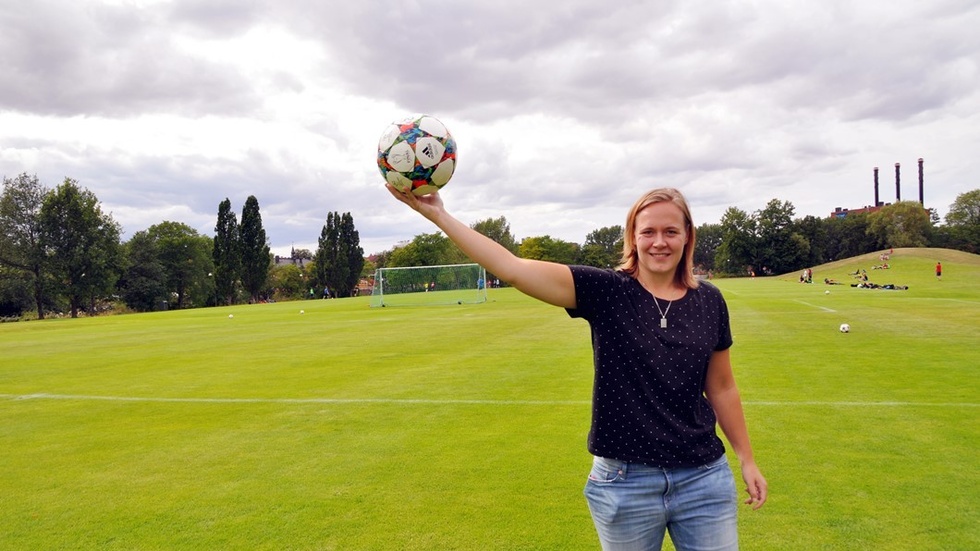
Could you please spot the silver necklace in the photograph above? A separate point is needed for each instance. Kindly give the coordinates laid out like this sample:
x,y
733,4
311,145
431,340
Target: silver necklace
x,y
663,313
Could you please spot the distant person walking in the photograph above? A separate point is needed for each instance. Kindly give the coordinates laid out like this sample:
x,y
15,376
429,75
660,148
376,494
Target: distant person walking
x,y
939,271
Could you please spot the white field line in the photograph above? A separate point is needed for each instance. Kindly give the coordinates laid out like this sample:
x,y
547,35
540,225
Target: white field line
x,y
825,309
44,396
410,401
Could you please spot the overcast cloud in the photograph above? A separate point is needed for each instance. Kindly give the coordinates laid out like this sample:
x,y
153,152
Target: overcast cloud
x,y
563,112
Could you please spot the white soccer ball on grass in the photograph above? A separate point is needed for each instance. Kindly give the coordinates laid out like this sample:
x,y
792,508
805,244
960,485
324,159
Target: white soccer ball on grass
x,y
845,328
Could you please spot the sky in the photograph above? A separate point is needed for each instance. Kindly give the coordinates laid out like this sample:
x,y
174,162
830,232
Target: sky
x,y
564,113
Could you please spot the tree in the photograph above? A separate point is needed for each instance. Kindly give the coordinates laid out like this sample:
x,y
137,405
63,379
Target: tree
x,y
965,210
339,257
367,270
780,248
289,282
304,254
255,256
427,249
901,224
331,266
82,244
143,285
326,252
603,247
963,221
226,253
350,248
185,256
20,234
382,259
739,246
15,293
550,249
707,244
336,269
814,230
848,236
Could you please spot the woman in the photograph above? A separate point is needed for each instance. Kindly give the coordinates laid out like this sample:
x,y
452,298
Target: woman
x,y
663,377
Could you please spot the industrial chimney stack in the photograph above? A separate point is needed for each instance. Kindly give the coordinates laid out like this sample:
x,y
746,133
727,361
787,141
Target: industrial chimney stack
x,y
898,182
921,185
877,203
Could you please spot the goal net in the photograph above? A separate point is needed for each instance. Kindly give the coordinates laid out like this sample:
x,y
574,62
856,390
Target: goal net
x,y
429,285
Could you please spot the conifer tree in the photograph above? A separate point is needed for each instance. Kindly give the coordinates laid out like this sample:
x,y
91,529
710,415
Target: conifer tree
x,y
254,250
350,247
339,257
226,253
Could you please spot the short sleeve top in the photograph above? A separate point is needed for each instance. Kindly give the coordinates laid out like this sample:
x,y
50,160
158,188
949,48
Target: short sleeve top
x,y
648,401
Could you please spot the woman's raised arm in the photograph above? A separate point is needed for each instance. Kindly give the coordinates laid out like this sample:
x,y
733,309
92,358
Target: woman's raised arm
x,y
549,282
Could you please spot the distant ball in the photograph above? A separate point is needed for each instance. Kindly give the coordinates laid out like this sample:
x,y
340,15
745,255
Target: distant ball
x,y
231,315
826,292
302,311
845,328
417,153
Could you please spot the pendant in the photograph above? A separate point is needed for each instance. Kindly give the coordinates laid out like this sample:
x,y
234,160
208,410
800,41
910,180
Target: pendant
x,y
663,322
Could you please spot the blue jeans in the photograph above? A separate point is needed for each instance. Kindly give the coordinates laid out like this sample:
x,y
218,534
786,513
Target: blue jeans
x,y
633,504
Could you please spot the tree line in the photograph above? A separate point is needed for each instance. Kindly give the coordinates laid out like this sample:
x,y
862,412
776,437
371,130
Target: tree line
x,y
60,252
770,240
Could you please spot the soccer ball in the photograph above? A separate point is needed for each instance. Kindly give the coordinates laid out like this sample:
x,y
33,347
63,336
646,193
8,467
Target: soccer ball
x,y
845,328
418,154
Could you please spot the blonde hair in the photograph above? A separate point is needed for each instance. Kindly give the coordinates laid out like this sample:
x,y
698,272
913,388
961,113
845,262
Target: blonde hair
x,y
684,276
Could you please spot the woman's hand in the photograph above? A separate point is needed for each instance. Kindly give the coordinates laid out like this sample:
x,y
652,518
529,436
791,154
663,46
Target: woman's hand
x,y
428,206
755,485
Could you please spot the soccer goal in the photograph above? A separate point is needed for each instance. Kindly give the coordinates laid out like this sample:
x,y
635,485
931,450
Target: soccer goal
x,y
429,285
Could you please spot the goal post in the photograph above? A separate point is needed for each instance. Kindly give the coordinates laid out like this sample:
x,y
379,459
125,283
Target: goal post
x,y
429,285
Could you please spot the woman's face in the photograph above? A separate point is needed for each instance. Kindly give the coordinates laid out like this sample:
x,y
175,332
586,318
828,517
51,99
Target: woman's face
x,y
661,233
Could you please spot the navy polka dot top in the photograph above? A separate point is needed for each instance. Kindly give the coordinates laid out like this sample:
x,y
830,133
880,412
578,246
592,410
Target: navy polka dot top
x,y
648,403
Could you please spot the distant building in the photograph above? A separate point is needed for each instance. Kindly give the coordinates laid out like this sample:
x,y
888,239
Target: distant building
x,y
842,212
292,259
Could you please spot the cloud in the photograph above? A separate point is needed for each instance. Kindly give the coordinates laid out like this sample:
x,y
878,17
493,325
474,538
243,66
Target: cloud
x,y
89,59
563,113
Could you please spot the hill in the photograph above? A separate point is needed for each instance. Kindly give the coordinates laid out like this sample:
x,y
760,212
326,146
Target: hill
x,y
912,267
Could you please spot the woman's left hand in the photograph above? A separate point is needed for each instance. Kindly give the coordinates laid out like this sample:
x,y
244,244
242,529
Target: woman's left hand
x,y
755,485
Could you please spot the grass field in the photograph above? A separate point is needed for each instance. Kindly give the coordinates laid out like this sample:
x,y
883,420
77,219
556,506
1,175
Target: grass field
x,y
463,427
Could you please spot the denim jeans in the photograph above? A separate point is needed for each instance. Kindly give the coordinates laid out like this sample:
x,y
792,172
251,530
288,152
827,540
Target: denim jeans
x,y
633,504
